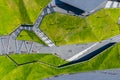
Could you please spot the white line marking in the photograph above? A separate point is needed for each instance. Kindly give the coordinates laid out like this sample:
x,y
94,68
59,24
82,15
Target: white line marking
x,y
81,53
108,4
30,49
118,5
115,4
19,51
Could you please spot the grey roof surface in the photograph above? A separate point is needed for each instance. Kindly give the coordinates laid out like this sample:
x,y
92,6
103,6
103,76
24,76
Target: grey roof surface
x,y
86,5
95,75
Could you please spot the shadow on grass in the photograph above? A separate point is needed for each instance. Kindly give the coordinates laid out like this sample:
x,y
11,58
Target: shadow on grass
x,y
23,12
27,63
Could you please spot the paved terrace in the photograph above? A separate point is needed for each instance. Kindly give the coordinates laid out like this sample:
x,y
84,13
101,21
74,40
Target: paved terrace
x,y
9,45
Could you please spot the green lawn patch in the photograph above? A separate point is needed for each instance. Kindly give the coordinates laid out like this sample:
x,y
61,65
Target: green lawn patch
x,y
29,36
66,29
45,58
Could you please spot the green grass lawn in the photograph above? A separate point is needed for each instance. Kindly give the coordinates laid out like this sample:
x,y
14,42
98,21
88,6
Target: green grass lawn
x,y
29,36
108,59
47,58
62,29
98,26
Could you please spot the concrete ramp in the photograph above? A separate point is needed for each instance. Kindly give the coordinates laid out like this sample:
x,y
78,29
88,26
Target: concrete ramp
x,y
68,51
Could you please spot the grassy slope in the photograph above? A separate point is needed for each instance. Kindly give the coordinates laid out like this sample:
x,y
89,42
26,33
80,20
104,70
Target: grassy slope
x,y
16,12
96,27
107,60
8,17
23,72
48,58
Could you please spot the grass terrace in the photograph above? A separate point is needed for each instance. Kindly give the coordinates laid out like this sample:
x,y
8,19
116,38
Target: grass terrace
x,y
62,29
108,59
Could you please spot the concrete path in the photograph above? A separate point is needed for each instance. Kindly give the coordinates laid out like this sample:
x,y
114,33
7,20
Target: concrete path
x,y
95,75
43,37
47,10
8,45
38,31
17,31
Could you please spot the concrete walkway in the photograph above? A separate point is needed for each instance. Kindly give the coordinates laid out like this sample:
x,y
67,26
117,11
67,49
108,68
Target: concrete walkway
x,y
43,37
38,31
9,45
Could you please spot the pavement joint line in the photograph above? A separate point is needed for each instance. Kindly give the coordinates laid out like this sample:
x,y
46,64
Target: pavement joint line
x,y
26,46
30,49
16,42
19,50
16,46
0,46
3,46
8,45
